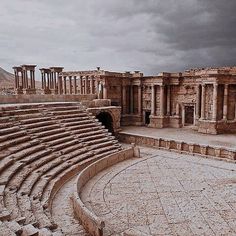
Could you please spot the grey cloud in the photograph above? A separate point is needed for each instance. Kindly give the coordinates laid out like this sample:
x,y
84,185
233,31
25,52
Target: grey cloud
x,y
151,35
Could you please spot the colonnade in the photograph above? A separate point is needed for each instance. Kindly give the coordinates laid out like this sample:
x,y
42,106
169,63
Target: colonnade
x,y
68,84
131,99
202,101
25,79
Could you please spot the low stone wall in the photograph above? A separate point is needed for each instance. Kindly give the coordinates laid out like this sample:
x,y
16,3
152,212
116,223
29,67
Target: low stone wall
x,y
179,146
33,98
93,224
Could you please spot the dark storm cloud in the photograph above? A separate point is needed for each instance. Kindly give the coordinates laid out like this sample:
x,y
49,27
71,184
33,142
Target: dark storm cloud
x,y
151,35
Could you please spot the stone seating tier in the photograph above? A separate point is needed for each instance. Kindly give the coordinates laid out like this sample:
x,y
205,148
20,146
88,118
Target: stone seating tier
x,y
41,145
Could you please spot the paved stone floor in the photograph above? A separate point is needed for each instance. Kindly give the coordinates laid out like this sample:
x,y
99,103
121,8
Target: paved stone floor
x,y
165,193
184,134
62,211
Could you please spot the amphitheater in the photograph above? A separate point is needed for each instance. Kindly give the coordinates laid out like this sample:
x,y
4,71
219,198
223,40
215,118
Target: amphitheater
x,y
110,153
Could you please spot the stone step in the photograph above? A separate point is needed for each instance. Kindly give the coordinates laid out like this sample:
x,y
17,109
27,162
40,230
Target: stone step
x,y
18,133
66,108
53,137
86,134
90,129
9,130
71,116
72,111
29,230
49,132
39,120
14,142
4,230
93,137
81,126
4,214
15,227
45,127
81,122
68,146
63,139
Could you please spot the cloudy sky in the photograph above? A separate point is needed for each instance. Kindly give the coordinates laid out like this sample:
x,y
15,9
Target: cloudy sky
x,y
121,35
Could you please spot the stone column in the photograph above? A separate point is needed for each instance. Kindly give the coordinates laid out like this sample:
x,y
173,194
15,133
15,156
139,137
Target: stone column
x,y
225,108
75,85
81,84
54,81
153,101
168,99
162,100
22,79
177,109
140,100
33,75
65,92
91,85
31,80
70,85
26,79
104,91
131,99
16,78
59,84
124,109
86,85
215,93
198,102
203,102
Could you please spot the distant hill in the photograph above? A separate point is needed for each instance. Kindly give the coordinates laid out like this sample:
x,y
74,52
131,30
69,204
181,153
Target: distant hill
x,y
7,80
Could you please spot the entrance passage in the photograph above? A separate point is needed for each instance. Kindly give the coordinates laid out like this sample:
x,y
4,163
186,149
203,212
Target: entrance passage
x,y
106,119
189,115
147,117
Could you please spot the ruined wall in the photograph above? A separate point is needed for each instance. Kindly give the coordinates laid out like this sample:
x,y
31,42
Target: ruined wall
x,y
232,102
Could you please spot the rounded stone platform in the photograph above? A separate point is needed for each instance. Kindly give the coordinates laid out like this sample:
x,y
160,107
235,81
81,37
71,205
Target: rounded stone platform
x,y
165,193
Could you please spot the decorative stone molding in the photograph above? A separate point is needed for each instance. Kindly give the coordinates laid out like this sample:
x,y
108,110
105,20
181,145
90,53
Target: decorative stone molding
x,y
180,146
93,224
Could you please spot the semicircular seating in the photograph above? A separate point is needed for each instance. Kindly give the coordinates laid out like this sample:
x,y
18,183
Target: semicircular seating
x,y
41,145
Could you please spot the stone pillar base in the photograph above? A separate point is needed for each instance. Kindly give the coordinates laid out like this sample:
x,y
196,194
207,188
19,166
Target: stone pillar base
x,y
46,91
19,91
29,91
157,122
207,127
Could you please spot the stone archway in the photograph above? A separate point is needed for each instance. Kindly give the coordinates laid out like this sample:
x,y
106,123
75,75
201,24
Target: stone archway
x,y
106,119
110,115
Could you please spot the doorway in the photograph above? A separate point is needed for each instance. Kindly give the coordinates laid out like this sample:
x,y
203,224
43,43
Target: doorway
x,y
106,119
188,115
147,117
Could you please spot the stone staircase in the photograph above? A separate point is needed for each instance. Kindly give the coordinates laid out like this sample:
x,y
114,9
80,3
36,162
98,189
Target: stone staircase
x,y
40,146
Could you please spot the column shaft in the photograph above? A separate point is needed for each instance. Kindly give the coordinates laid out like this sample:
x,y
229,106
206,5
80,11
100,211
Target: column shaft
x,y
70,85
140,100
168,99
225,108
75,85
104,91
198,102
153,101
124,110
215,93
59,84
162,100
81,84
131,99
91,85
203,102
64,85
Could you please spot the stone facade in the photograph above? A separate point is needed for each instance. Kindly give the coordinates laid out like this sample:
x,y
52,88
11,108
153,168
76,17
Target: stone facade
x,y
204,99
